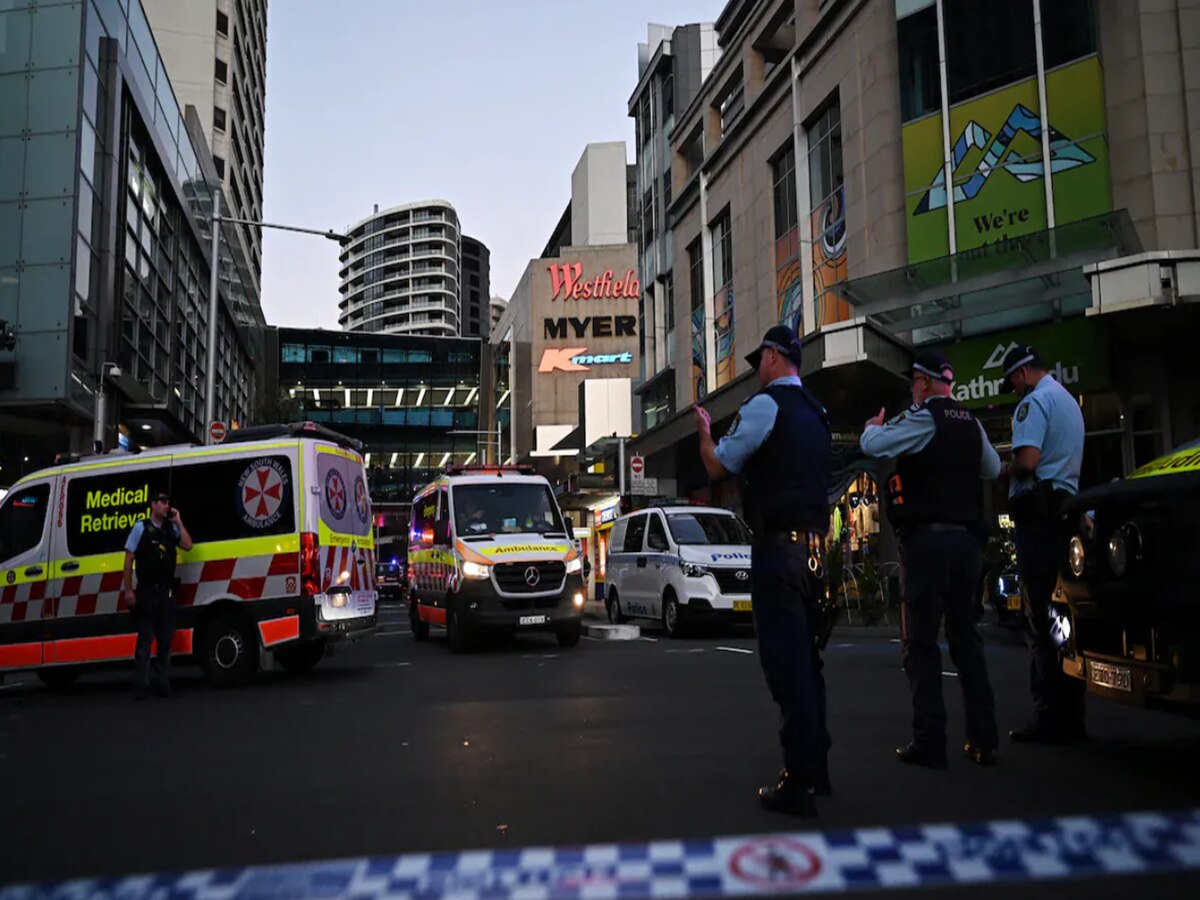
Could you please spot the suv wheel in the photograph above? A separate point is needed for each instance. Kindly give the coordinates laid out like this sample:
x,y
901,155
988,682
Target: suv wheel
x,y
671,614
229,650
613,608
457,634
420,629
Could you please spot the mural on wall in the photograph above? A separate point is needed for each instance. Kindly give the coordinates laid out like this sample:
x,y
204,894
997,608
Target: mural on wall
x,y
724,337
699,381
829,258
789,289
996,163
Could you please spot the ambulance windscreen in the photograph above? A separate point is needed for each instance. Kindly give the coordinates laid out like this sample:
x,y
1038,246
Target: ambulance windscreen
x,y
506,508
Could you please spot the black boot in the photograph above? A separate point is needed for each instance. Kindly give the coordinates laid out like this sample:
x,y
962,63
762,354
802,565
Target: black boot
x,y
916,755
821,785
790,796
979,755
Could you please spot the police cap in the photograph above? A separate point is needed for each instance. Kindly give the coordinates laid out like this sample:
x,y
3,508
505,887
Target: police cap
x,y
932,364
778,337
1014,359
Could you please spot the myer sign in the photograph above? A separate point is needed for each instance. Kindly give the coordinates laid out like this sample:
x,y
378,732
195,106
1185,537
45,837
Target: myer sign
x,y
1074,351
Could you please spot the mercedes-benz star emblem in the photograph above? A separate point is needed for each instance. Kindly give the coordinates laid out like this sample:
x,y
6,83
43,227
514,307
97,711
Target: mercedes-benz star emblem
x,y
532,576
742,575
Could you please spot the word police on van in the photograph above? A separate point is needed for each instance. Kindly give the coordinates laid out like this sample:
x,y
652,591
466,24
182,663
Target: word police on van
x,y
282,563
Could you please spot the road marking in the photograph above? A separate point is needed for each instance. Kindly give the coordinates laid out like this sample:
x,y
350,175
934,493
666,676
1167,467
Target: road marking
x,y
650,639
382,633
735,650
391,665
1070,849
951,674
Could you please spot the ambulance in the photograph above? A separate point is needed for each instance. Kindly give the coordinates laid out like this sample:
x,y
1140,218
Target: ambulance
x,y
283,562
488,549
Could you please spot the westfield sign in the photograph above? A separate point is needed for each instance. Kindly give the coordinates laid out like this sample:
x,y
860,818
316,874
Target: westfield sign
x,y
568,282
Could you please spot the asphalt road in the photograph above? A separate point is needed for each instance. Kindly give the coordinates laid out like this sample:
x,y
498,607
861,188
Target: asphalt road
x,y
393,746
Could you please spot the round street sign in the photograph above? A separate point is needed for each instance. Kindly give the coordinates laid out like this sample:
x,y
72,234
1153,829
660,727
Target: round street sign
x,y
637,464
217,431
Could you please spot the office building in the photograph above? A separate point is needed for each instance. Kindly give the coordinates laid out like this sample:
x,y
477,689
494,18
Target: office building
x,y
215,54
476,288
106,192
400,271
672,65
496,306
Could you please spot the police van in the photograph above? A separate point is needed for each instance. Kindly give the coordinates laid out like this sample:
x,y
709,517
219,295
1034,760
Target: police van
x,y
282,561
679,563
488,549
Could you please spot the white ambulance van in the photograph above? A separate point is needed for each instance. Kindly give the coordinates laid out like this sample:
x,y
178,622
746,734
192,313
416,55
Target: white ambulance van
x,y
282,563
488,550
679,564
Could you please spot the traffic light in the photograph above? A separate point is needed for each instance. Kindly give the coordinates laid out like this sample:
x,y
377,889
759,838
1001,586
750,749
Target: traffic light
x,y
8,337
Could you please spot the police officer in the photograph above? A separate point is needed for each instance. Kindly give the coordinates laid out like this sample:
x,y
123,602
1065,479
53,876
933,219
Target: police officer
x,y
1047,456
780,447
935,504
151,547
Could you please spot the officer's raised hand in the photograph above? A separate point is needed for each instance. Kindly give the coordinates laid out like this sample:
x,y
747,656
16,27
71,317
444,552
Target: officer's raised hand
x,y
877,420
703,420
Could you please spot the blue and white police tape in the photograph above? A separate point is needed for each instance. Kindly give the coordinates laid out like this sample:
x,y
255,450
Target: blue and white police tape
x,y
1076,847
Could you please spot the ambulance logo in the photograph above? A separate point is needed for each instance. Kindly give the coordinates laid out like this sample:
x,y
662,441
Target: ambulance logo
x,y
362,504
262,489
335,493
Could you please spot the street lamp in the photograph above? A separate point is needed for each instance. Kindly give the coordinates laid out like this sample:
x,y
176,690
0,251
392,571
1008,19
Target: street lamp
x,y
210,398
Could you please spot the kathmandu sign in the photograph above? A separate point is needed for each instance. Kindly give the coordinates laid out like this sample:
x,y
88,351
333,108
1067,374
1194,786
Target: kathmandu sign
x,y
577,359
1074,351
568,283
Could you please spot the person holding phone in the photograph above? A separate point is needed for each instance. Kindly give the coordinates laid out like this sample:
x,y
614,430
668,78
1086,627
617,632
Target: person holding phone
x,y
150,549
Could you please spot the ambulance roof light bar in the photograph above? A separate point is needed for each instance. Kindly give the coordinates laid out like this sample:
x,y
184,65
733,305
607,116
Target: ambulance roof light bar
x,y
498,471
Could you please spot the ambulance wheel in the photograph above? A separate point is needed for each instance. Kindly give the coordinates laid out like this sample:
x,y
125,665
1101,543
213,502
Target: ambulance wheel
x,y
229,651
420,629
59,677
569,635
457,634
670,615
613,607
301,657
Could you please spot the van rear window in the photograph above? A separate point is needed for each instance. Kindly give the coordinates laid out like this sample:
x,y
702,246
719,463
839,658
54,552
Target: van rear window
x,y
345,500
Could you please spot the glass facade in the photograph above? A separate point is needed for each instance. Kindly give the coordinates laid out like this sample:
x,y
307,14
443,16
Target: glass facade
x,y
105,220
404,397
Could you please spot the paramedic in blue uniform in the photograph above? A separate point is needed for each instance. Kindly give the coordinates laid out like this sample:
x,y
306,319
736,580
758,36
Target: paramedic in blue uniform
x,y
780,447
150,550
1047,450
935,505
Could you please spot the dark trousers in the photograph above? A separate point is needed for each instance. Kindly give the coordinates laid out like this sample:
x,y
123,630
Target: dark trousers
x,y
1058,699
781,589
155,618
941,581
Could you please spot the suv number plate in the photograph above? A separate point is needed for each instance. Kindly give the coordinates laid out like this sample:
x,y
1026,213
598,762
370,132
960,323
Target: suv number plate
x,y
1118,678
531,620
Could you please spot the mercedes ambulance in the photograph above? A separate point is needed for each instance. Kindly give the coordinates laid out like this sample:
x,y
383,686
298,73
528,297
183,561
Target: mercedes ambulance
x,y
282,563
488,550
679,563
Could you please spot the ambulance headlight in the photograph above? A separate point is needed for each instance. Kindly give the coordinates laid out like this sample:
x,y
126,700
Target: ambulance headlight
x,y
476,570
1076,556
574,565
692,570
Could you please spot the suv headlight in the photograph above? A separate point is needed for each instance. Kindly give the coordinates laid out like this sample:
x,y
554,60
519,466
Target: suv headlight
x,y
1076,556
1124,546
574,565
693,570
475,570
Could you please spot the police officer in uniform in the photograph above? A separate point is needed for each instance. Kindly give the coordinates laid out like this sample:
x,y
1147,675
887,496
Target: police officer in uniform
x,y
780,447
151,548
1047,456
935,504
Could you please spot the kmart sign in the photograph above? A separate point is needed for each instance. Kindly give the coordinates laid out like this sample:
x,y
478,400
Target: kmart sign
x,y
1074,350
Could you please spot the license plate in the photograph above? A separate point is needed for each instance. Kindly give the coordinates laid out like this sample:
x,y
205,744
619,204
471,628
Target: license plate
x,y
1014,602
1118,678
532,620
741,606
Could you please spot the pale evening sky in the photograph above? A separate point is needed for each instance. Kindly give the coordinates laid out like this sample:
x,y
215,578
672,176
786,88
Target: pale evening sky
x,y
485,103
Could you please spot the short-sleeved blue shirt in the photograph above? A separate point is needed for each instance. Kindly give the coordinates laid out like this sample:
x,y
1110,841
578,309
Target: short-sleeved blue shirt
x,y
135,535
751,427
1049,418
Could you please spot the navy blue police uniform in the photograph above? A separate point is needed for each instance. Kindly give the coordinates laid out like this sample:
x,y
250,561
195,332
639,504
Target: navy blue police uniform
x,y
1048,419
935,505
153,548
780,447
